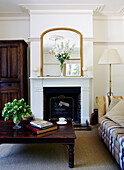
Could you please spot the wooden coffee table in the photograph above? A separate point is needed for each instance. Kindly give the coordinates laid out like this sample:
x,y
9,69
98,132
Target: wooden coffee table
x,y
64,135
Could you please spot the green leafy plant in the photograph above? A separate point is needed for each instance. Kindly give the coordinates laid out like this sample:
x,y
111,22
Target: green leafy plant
x,y
17,109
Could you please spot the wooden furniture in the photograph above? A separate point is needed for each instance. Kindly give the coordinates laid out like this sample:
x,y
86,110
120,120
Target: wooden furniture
x,y
13,71
64,135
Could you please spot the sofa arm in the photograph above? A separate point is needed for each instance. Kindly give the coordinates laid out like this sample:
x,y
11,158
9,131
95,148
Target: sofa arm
x,y
104,102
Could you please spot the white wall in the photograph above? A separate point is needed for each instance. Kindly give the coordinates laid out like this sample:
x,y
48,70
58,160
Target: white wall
x,y
14,28
108,33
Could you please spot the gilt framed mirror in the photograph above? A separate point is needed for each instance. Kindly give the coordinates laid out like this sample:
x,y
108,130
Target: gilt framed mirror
x,y
61,52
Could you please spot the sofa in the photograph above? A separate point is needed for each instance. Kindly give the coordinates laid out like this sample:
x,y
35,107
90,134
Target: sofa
x,y
111,125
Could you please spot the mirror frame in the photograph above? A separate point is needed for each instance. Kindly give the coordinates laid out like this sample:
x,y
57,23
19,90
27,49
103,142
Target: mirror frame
x,y
81,49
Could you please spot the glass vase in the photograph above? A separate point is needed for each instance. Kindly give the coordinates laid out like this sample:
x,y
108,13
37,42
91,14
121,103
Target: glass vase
x,y
17,126
61,66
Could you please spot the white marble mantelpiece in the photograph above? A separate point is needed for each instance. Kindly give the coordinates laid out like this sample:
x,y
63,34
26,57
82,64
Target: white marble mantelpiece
x,y
86,84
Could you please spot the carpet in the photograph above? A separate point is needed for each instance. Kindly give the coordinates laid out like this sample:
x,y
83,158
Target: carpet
x,y
90,154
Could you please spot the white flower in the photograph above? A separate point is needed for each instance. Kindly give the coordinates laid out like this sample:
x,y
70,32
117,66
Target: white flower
x,y
62,48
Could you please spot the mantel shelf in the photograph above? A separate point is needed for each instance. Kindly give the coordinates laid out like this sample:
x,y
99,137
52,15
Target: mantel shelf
x,y
61,77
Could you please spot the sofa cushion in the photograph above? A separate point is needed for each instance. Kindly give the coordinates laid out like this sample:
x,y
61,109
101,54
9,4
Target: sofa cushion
x,y
114,101
117,113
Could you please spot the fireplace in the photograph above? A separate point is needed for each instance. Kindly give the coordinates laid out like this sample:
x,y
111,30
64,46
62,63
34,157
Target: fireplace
x,y
84,84
62,102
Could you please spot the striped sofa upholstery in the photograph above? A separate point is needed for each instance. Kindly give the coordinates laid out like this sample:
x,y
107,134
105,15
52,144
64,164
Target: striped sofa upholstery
x,y
111,132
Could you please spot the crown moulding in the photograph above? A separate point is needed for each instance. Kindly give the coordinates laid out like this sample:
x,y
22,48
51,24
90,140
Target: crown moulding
x,y
95,9
122,11
119,13
62,7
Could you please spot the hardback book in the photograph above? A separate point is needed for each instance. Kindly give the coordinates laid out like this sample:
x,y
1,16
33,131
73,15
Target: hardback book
x,y
40,131
41,123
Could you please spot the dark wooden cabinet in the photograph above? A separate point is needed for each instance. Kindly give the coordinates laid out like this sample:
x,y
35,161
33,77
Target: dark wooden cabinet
x,y
13,71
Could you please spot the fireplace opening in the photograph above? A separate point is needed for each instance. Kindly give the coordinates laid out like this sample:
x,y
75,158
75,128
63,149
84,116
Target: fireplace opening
x,y
62,102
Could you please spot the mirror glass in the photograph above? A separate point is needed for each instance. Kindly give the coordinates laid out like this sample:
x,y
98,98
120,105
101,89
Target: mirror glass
x,y
54,42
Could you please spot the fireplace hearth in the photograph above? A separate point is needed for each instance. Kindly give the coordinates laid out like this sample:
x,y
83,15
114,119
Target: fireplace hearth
x,y
62,102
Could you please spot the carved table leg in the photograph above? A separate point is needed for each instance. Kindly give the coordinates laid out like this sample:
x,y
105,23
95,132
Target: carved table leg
x,y
71,155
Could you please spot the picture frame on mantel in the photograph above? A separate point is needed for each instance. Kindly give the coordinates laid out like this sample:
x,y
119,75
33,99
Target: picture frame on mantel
x,y
61,45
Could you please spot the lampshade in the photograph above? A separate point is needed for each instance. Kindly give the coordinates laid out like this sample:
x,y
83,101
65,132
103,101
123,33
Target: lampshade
x,y
110,56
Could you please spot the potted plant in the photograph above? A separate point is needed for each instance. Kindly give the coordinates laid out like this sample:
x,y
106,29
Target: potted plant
x,y
17,109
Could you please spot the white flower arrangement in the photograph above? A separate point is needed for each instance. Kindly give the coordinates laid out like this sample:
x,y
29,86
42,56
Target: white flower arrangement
x,y
62,51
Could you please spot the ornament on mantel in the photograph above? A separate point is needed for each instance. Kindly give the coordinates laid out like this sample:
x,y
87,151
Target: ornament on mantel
x,y
85,69
35,70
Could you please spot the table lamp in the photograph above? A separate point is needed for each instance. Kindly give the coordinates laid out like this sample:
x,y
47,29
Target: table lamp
x,y
110,56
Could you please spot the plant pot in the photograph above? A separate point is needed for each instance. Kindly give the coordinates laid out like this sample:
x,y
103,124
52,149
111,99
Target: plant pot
x,y
17,126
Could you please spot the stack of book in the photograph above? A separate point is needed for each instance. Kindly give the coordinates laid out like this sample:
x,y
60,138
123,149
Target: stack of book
x,y
41,126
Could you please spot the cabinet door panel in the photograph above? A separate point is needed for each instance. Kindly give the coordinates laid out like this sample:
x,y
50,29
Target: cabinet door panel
x,y
9,85
14,62
3,62
9,61
7,96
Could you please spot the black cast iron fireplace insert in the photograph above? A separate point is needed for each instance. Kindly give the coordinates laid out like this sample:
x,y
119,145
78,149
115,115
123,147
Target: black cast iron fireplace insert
x,y
62,102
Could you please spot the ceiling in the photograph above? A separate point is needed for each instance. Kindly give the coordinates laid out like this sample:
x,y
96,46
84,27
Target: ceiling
x,y
13,6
